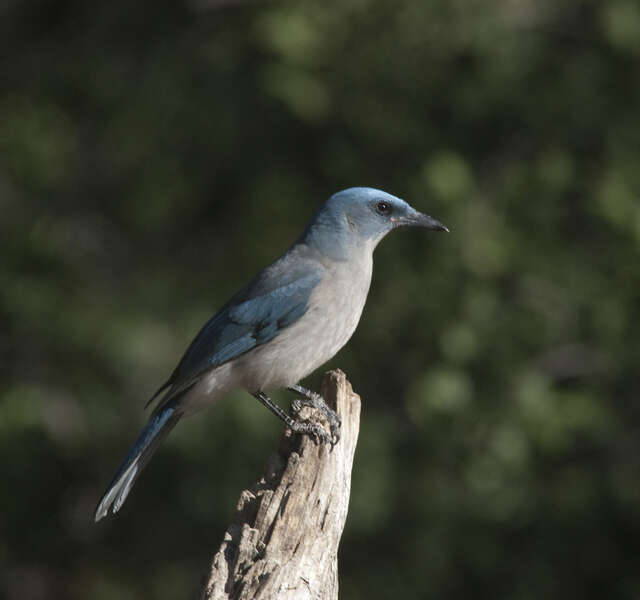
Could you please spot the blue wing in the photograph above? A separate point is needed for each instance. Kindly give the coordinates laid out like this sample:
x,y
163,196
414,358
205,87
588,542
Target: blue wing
x,y
273,301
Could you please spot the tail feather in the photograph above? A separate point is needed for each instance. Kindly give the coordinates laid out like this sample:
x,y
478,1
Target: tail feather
x,y
156,429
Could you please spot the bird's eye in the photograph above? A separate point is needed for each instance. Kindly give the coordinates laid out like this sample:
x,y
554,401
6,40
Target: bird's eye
x,y
383,208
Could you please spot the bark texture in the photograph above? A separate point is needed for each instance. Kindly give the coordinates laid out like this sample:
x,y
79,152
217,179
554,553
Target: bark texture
x,y
284,540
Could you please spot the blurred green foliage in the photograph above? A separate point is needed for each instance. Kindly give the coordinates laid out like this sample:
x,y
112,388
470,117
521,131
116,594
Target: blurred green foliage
x,y
153,156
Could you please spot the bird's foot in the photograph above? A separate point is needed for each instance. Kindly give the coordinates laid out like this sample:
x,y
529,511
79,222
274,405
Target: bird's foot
x,y
295,424
315,430
314,400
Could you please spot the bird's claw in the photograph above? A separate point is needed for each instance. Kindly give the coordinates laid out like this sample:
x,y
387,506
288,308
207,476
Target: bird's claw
x,y
320,435
335,433
316,401
335,423
296,406
315,430
318,432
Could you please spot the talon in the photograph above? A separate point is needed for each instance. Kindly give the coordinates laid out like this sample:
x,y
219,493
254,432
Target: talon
x,y
321,435
314,400
335,435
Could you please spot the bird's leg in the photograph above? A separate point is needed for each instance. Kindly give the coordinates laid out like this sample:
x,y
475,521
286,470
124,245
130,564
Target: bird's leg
x,y
307,427
310,398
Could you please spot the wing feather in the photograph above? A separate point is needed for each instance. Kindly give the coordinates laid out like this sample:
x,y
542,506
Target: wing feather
x,y
272,302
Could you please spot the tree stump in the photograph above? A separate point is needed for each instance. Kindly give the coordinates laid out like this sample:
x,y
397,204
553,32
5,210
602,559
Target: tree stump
x,y
284,540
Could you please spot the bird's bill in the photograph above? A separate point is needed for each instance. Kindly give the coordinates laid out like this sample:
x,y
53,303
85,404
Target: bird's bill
x,y
417,219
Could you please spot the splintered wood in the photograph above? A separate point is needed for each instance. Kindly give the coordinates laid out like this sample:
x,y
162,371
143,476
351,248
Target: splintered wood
x,y
284,540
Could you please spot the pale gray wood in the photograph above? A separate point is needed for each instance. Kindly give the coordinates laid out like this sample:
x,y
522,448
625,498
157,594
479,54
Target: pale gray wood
x,y
284,540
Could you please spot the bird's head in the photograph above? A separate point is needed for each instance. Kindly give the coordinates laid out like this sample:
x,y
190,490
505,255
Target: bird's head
x,y
362,216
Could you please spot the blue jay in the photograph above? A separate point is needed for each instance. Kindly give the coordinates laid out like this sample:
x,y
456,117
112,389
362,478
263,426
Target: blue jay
x,y
290,319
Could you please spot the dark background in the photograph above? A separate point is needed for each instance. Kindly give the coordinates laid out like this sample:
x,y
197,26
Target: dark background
x,y
155,155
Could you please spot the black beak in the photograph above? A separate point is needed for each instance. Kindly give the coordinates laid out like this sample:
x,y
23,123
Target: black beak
x,y
417,219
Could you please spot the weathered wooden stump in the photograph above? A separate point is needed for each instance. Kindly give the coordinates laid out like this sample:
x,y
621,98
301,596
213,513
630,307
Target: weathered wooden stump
x,y
284,540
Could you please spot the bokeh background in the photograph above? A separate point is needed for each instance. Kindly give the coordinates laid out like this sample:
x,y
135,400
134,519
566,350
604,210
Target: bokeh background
x,y
155,155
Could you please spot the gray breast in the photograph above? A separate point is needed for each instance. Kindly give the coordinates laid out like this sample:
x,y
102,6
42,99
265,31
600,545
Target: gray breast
x,y
335,307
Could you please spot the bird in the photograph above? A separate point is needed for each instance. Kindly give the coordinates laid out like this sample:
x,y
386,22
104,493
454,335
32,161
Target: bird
x,y
291,318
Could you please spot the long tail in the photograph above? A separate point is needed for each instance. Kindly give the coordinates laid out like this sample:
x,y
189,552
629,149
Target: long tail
x,y
159,425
